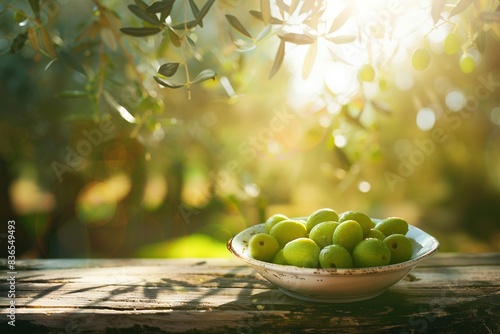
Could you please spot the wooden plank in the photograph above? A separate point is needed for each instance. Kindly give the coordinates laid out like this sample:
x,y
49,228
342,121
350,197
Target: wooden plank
x,y
451,293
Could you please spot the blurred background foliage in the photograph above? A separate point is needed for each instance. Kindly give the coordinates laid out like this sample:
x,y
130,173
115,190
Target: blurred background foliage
x,y
161,129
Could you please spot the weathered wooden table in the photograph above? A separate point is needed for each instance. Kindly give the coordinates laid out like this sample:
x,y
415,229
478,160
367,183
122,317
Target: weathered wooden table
x,y
449,293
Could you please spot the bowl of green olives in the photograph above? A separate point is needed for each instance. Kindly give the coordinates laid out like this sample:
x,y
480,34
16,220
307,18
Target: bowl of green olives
x,y
333,258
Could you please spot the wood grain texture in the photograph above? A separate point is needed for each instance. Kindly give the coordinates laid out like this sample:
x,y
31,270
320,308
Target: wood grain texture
x,y
449,293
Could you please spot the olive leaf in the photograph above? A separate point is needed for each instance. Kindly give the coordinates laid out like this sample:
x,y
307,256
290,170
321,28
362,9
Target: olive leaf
x,y
166,10
141,4
278,59
141,31
342,18
190,41
168,69
198,20
265,32
481,41
258,16
337,58
19,42
309,61
295,38
122,111
204,75
71,61
203,11
185,25
265,8
195,10
33,38
147,17
35,7
460,7
161,7
47,42
174,38
342,39
168,83
236,24
437,7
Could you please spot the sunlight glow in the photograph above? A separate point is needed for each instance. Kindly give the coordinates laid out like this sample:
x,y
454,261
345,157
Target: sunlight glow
x,y
386,30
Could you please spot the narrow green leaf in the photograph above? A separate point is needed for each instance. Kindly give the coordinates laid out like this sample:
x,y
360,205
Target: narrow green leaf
x,y
166,10
141,4
174,38
294,38
258,16
309,60
167,83
342,18
78,94
141,31
71,61
124,113
147,17
342,158
481,41
185,25
265,32
203,11
195,10
35,7
168,69
160,6
337,58
460,7
49,64
47,42
342,39
19,42
265,8
236,24
278,59
204,75
33,38
190,41
283,7
436,9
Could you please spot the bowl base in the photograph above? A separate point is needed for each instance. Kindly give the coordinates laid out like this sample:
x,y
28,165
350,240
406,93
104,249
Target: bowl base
x,y
357,298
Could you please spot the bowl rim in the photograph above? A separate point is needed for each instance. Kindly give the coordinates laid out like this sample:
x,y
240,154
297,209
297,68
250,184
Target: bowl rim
x,y
431,244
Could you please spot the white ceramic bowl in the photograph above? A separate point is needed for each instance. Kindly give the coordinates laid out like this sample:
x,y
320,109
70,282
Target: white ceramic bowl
x,y
334,285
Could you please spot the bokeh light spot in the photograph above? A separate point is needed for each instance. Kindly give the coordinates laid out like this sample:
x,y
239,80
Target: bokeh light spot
x,y
425,119
364,186
455,100
495,115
